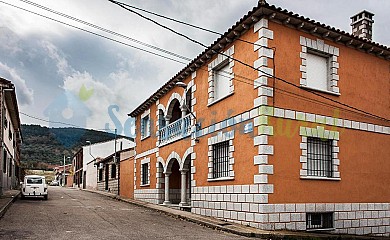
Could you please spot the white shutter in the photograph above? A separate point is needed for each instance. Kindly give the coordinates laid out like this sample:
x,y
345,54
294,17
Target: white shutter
x,y
317,71
222,82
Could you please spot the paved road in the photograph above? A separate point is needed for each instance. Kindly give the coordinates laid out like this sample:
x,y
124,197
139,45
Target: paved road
x,y
74,214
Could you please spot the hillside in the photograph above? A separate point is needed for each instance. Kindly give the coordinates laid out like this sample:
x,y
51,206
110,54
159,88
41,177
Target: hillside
x,y
43,146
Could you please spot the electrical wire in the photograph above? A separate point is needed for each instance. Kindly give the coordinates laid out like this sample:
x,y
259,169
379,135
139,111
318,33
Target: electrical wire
x,y
185,23
63,123
96,34
137,41
105,30
239,61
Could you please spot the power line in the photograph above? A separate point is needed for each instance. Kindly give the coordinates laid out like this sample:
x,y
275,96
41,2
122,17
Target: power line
x,y
185,23
62,123
122,5
145,44
106,30
93,33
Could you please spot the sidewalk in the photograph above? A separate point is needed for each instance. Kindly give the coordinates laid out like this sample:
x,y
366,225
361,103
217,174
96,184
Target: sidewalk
x,y
7,199
232,227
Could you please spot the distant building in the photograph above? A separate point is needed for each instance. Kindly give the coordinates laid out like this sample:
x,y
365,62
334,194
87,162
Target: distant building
x,y
11,137
84,161
109,172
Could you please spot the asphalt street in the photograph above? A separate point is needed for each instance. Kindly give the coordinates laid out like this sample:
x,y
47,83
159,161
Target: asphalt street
x,y
74,214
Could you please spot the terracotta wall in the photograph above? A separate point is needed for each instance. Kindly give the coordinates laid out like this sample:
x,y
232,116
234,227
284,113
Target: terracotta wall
x,y
127,178
364,168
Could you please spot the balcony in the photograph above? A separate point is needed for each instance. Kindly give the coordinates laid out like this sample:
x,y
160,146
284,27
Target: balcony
x,y
176,130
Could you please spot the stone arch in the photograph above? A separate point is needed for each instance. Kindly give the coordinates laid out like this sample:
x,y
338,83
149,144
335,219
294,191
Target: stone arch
x,y
186,163
174,97
171,158
160,160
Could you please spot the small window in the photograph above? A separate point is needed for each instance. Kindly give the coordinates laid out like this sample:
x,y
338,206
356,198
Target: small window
x,y
34,181
319,157
145,127
113,171
221,159
5,155
318,221
317,71
221,82
100,175
10,167
5,123
145,174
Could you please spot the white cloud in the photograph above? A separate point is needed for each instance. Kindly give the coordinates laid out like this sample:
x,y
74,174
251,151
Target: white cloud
x,y
25,94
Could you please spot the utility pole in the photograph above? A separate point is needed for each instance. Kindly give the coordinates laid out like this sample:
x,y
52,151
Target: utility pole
x,y
63,174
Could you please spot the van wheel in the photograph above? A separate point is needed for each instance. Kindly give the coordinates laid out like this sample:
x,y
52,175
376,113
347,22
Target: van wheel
x,y
45,197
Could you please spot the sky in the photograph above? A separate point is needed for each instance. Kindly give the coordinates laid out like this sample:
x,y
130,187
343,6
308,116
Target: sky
x,y
68,77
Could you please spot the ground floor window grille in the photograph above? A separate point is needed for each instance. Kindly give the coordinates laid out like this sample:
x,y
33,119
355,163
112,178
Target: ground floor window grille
x,y
319,221
145,173
319,157
221,159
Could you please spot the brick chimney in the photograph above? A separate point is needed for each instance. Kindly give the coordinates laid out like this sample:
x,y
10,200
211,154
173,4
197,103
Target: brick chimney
x,y
362,25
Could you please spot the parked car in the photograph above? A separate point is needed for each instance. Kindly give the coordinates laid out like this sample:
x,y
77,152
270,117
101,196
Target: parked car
x,y
34,186
54,183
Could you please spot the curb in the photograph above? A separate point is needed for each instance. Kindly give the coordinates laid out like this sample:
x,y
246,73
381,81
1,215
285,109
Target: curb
x,y
233,227
4,209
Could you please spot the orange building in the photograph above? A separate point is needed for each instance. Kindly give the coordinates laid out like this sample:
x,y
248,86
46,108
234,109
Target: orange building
x,y
282,123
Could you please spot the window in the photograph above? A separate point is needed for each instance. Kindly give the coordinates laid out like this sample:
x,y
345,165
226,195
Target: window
x,y
317,71
34,181
221,76
221,81
319,65
320,153
10,167
221,159
316,221
145,174
113,171
4,161
100,174
9,132
145,126
319,157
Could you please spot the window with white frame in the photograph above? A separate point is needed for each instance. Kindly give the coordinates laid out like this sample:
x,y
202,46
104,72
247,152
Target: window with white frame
x,y
145,174
319,66
221,158
319,156
221,77
145,126
317,71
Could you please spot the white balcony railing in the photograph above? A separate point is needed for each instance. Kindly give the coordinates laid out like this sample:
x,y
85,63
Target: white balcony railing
x,y
178,129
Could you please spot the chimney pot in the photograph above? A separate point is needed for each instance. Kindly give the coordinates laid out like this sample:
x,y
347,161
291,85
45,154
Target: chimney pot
x,y
362,25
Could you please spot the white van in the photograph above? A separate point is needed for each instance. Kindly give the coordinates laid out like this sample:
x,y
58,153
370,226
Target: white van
x,y
34,186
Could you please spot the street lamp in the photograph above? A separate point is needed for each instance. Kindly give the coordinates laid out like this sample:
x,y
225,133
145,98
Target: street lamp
x,y
183,85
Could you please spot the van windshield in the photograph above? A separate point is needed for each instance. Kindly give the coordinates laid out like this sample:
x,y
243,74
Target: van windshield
x,y
34,180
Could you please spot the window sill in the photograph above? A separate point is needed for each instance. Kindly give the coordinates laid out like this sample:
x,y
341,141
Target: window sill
x,y
145,185
143,138
220,179
320,229
219,99
320,90
320,178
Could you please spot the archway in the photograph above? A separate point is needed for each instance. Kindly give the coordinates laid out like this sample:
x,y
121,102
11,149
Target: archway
x,y
173,111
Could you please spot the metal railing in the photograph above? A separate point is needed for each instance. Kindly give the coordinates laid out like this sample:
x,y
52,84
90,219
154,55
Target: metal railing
x,y
175,130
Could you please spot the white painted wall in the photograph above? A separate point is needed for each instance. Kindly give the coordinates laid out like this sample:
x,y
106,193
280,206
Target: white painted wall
x,y
100,150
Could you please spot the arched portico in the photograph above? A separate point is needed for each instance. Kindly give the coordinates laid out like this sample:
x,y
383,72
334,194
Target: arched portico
x,y
177,180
